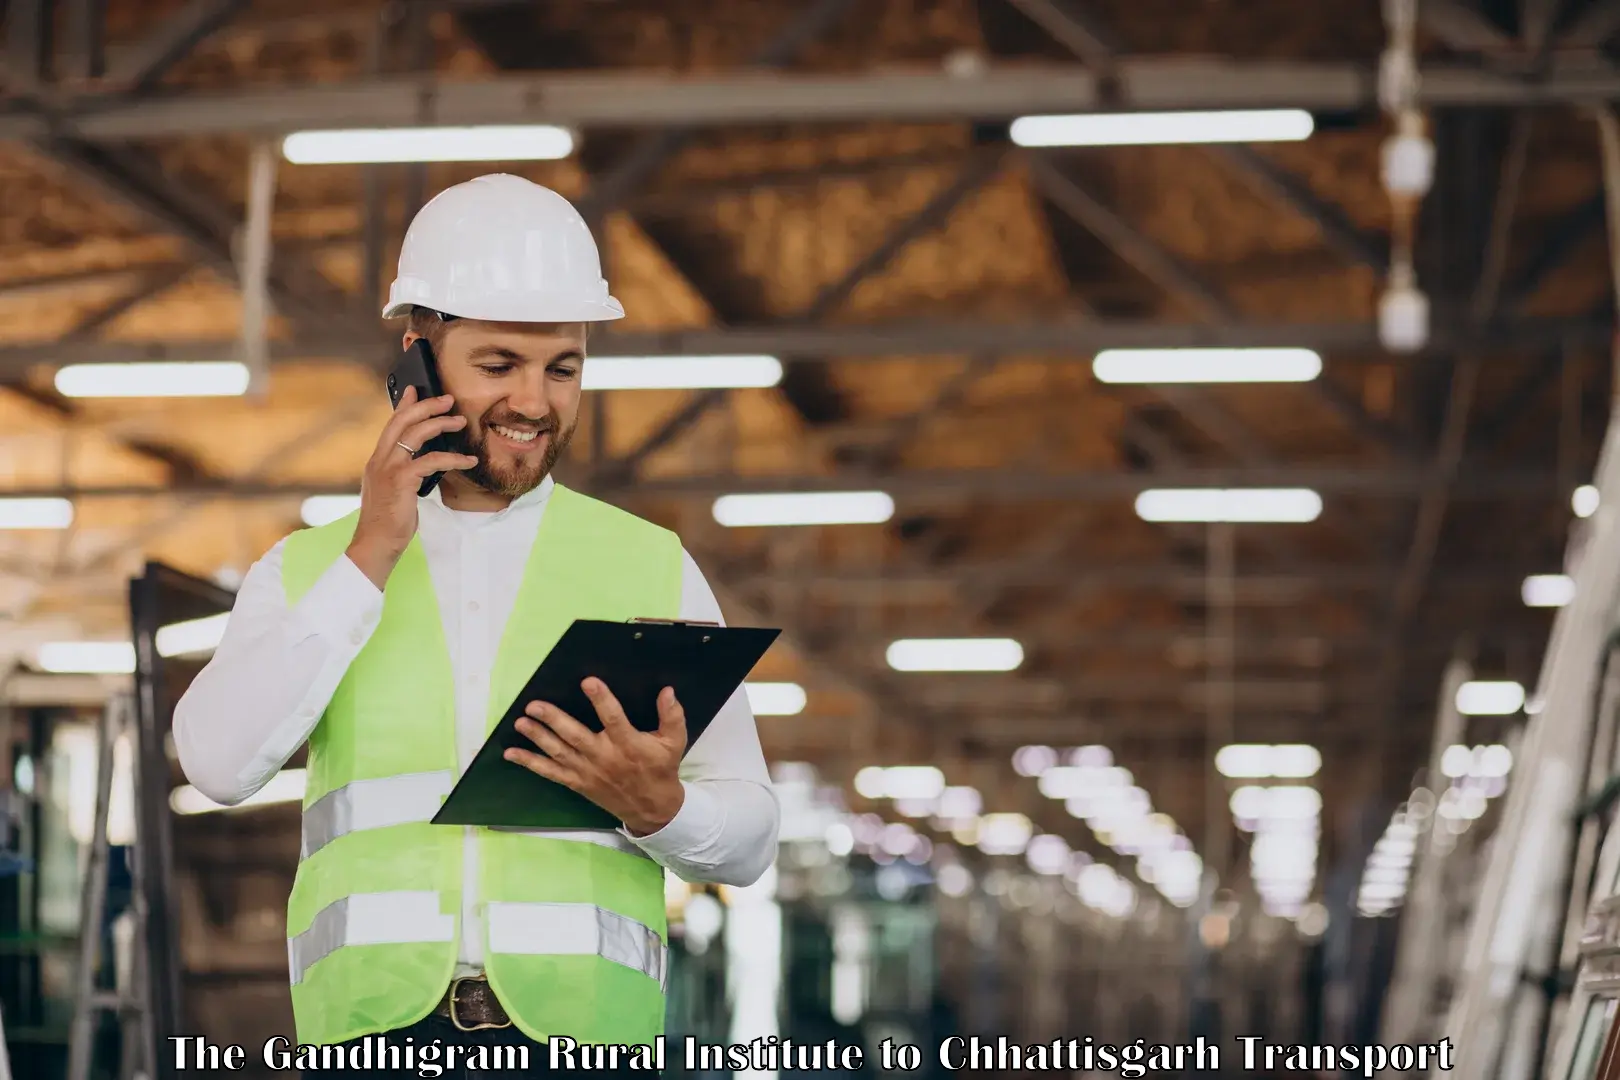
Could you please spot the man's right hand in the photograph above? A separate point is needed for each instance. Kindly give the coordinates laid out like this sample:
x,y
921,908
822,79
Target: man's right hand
x,y
392,477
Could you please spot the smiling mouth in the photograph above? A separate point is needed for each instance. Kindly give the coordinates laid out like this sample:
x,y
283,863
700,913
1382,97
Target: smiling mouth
x,y
514,434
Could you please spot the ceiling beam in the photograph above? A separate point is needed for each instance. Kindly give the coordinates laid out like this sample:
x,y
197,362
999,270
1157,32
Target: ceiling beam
x,y
650,99
143,66
1593,27
644,159
1062,340
1464,28
883,581
951,486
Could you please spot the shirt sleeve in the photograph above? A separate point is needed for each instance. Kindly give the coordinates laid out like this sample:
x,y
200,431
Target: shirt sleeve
x,y
726,830
272,675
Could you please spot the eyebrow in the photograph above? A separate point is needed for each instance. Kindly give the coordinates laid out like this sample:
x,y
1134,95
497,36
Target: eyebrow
x,y
482,352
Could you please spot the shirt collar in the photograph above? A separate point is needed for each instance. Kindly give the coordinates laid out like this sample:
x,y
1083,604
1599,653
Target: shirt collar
x,y
534,498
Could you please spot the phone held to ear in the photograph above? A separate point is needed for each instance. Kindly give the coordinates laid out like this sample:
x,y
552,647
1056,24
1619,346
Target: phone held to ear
x,y
417,367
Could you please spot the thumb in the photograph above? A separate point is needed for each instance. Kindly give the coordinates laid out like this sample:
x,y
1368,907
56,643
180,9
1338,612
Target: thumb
x,y
671,718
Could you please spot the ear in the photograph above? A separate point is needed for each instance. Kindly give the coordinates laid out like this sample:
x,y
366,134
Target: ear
x,y
410,336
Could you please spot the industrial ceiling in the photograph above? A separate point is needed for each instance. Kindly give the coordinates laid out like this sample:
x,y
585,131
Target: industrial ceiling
x,y
833,183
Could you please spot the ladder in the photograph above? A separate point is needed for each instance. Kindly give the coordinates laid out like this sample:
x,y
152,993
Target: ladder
x,y
127,1001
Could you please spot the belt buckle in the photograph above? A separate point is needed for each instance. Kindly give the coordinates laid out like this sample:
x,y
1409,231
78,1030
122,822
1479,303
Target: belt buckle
x,y
455,985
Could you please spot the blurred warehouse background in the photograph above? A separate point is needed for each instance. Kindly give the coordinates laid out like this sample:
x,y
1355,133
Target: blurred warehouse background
x,y
1193,414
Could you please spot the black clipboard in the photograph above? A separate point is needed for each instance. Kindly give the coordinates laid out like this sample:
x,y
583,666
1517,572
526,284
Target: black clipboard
x,y
705,664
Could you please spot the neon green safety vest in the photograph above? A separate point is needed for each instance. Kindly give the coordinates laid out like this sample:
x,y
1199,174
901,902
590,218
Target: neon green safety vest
x,y
575,934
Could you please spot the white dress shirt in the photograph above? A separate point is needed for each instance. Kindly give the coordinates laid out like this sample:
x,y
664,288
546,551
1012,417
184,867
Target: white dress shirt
x,y
277,667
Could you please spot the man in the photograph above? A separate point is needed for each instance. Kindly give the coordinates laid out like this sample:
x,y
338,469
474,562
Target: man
x,y
393,639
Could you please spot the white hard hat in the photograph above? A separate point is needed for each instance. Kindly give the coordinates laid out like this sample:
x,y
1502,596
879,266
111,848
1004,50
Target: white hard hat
x,y
502,249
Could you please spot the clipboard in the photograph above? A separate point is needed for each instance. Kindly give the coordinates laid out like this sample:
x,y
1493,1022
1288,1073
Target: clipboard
x,y
704,663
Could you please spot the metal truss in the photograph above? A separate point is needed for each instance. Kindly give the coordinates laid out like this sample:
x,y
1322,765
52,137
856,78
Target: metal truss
x,y
922,486
1051,339
635,99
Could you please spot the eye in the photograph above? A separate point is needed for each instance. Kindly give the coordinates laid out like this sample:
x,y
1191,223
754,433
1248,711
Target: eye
x,y
564,371
495,369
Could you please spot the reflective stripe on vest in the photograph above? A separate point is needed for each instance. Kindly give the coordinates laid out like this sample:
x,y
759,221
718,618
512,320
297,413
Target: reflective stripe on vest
x,y
576,930
538,929
373,804
409,799
385,918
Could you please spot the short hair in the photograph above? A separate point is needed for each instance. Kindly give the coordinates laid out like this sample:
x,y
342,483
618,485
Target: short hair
x,y
427,323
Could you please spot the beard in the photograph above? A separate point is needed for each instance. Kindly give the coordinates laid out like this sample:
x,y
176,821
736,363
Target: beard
x,y
510,480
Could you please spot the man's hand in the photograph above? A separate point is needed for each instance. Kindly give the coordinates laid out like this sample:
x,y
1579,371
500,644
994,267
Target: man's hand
x,y
392,477
633,775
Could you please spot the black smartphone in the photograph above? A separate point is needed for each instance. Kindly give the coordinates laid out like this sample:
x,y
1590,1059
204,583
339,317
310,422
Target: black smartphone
x,y
417,367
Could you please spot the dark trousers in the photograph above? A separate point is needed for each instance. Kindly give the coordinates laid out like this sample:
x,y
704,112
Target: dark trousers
x,y
425,1032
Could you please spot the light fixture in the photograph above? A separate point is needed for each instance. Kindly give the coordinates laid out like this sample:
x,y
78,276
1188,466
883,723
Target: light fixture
x,y
1033,760
158,379
899,782
35,513
1168,128
286,786
191,637
804,508
1047,854
955,654
1584,501
1004,834
959,803
1482,698
1255,762
1206,365
1234,505
775,698
376,146
1547,590
681,372
87,657
321,510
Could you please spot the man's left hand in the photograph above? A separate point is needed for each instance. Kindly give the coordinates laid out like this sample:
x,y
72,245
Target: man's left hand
x,y
633,775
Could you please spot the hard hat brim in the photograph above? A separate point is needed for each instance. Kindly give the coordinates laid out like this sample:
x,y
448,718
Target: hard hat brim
x,y
518,310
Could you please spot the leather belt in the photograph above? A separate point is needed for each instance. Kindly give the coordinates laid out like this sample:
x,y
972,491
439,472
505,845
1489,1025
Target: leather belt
x,y
471,1005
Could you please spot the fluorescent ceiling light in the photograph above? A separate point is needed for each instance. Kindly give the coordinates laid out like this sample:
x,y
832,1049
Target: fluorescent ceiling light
x,y
35,513
804,508
959,802
955,654
1004,834
775,698
192,637
1047,854
189,638
1206,365
286,786
899,782
533,142
1547,590
1489,698
1033,760
681,372
87,657
152,380
1151,129
321,510
1229,504
1256,762
1585,501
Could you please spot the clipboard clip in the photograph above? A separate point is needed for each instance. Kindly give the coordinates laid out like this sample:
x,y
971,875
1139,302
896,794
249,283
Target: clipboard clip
x,y
676,622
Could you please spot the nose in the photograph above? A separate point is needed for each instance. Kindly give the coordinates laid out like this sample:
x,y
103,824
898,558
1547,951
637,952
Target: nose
x,y
528,397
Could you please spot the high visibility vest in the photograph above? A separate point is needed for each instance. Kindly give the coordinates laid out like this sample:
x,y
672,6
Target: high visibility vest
x,y
576,942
